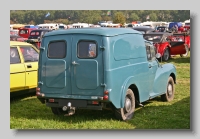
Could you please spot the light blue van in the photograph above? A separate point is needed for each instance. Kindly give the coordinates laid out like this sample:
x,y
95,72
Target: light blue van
x,y
97,68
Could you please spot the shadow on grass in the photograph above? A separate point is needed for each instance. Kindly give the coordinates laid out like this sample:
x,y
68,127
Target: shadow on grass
x,y
164,116
178,59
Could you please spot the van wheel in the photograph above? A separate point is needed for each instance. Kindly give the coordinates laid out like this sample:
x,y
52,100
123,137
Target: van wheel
x,y
166,55
57,111
187,51
169,95
127,112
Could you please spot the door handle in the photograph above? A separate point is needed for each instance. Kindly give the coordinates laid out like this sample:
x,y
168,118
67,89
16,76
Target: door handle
x,y
74,63
29,66
150,66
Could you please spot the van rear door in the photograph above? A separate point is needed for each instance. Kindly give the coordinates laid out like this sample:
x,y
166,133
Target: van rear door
x,y
55,66
87,65
71,65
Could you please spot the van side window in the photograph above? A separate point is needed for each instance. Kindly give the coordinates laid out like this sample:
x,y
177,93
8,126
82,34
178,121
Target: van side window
x,y
57,50
14,56
151,52
87,49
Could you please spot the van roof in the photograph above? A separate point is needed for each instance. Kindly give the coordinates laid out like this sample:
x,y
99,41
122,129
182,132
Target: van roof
x,y
97,31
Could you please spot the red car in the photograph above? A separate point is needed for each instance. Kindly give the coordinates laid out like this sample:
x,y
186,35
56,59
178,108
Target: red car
x,y
184,29
16,38
168,44
25,32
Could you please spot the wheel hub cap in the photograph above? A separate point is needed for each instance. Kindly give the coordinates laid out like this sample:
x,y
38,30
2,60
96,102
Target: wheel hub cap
x,y
127,105
169,88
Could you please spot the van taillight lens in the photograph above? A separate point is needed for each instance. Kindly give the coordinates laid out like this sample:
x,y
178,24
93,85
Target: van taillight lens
x,y
106,92
105,97
38,91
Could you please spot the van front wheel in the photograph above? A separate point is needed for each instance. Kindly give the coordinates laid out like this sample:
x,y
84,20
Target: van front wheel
x,y
126,113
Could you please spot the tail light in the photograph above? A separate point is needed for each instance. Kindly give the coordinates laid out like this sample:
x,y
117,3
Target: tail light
x,y
105,97
38,93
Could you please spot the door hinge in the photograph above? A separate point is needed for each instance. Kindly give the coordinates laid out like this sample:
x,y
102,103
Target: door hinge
x,y
42,48
103,84
40,82
102,47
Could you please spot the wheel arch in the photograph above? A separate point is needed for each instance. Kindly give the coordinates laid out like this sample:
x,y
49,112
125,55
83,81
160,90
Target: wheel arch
x,y
174,77
129,84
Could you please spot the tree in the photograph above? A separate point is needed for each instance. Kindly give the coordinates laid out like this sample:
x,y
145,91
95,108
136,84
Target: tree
x,y
134,17
153,17
119,18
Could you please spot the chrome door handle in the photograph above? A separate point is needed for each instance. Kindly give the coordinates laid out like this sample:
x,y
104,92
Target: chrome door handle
x,y
150,66
74,63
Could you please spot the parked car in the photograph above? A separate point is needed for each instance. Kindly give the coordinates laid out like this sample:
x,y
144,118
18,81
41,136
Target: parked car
x,y
16,38
162,29
166,44
23,67
36,36
25,32
14,32
97,68
144,29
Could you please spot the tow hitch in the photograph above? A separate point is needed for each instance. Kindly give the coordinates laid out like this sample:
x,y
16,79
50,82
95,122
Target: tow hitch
x,y
69,109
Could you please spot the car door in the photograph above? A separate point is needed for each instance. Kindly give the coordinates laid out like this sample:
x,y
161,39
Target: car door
x,y
17,71
177,45
153,66
30,57
87,65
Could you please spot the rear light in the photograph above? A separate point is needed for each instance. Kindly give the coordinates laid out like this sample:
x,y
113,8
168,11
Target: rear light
x,y
51,100
106,92
38,93
95,102
105,97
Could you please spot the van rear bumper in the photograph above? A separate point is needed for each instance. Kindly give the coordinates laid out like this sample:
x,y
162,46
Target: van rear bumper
x,y
78,103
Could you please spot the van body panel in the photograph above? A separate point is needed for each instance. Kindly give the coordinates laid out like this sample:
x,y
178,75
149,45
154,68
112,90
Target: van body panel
x,y
87,64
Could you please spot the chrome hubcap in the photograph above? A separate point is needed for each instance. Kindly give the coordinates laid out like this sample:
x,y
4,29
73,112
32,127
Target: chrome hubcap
x,y
128,105
170,89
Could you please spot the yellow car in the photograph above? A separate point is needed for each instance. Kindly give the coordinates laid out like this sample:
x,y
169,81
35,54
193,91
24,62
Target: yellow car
x,y
23,67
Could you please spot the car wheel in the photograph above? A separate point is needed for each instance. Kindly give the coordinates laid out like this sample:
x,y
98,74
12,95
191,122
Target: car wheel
x,y
166,55
127,112
57,111
169,95
187,51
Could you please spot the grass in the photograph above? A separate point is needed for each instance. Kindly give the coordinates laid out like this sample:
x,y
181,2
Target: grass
x,y
26,112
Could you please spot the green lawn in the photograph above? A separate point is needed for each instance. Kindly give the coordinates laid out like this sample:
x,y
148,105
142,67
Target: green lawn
x,y
28,113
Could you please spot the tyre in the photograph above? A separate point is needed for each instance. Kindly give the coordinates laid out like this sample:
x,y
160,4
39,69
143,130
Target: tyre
x,y
127,112
166,55
169,95
187,51
57,111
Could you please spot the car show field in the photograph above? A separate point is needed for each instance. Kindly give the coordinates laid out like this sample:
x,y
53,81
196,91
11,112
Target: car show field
x,y
69,70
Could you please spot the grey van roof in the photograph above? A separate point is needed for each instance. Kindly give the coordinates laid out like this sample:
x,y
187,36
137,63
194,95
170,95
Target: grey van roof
x,y
97,31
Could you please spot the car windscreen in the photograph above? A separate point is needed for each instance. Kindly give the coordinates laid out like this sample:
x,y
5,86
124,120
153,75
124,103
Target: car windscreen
x,y
154,38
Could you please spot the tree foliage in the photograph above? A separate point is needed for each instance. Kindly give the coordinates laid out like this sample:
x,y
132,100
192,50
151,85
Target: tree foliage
x,y
93,16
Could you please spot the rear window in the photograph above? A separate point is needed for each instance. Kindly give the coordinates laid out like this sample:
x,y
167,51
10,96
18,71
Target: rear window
x,y
35,33
87,49
23,31
57,49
